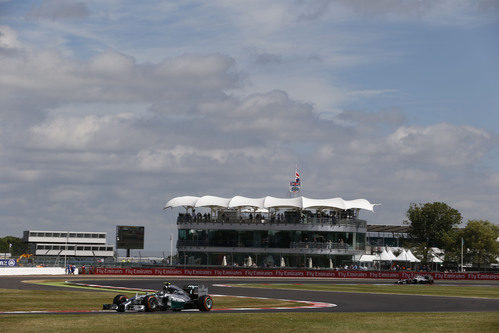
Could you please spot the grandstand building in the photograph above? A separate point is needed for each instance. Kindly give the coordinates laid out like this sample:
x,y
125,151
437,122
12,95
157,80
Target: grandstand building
x,y
55,247
269,231
387,235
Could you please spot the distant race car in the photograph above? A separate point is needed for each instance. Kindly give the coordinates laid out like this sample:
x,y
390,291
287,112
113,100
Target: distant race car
x,y
418,279
170,297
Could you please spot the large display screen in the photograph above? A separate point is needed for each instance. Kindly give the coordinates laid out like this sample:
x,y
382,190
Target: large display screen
x,y
129,237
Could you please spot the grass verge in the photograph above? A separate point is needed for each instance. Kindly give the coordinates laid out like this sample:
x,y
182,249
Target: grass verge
x,y
429,290
263,322
70,300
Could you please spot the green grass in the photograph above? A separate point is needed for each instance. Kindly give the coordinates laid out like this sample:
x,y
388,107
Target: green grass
x,y
431,290
69,300
251,322
55,283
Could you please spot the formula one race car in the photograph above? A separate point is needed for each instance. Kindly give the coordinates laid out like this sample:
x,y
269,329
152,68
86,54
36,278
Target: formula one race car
x,y
418,279
170,297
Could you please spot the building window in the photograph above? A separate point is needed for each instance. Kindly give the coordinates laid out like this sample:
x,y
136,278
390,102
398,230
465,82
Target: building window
x,y
102,235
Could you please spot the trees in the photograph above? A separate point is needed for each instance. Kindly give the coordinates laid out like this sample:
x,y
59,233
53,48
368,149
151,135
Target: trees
x,y
18,246
430,223
480,243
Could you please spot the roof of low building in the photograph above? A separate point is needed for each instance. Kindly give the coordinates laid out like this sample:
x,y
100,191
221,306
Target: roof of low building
x,y
387,228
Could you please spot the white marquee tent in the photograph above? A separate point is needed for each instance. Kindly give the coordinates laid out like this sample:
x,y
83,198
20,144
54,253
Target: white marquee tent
x,y
367,258
436,259
392,256
412,257
386,256
402,256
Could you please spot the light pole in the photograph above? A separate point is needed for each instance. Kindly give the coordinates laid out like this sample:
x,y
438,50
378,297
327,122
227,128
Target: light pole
x,y
66,250
462,254
171,249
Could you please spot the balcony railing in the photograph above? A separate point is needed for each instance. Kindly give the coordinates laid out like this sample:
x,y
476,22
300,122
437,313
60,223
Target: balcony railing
x,y
313,220
319,245
292,245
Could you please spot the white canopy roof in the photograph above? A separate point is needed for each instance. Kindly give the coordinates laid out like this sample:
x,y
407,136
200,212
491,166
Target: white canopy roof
x,y
185,201
239,201
268,202
211,201
271,202
323,203
359,203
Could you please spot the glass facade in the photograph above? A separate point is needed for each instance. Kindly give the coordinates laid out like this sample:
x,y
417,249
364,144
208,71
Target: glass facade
x,y
270,239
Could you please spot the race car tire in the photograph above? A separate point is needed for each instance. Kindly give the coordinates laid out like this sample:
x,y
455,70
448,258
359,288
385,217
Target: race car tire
x,y
121,308
205,303
118,299
151,303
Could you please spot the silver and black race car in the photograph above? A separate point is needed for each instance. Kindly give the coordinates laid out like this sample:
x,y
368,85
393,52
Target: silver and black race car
x,y
418,279
170,297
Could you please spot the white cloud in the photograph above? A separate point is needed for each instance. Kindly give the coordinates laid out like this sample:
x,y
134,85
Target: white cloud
x,y
59,10
8,38
447,12
112,63
443,144
63,133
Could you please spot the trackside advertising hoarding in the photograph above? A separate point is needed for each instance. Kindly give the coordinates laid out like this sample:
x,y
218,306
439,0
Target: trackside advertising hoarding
x,y
8,262
291,273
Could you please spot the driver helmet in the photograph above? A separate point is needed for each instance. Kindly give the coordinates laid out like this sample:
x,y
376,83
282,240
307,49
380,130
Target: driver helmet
x,y
166,286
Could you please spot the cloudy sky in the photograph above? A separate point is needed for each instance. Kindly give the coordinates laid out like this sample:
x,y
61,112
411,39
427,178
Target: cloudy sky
x,y
108,109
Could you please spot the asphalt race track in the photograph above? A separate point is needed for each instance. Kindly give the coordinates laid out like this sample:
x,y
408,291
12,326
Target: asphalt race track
x,y
346,302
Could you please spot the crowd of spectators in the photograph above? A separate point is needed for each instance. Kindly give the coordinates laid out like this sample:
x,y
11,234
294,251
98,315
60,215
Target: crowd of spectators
x,y
289,217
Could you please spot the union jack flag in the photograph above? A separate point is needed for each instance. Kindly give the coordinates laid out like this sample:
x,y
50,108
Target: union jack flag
x,y
294,187
297,177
